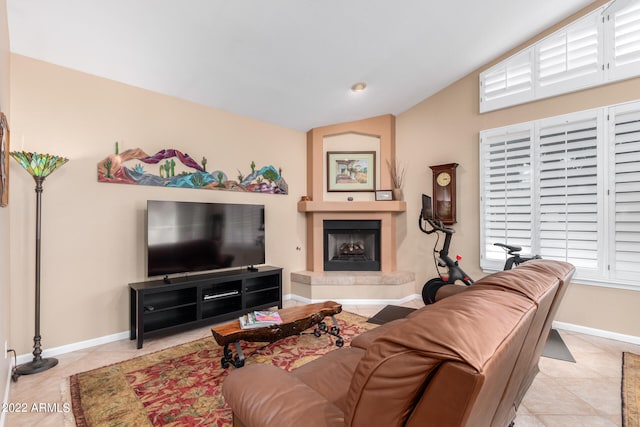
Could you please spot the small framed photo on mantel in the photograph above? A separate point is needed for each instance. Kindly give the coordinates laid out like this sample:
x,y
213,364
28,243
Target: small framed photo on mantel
x,y
384,195
351,170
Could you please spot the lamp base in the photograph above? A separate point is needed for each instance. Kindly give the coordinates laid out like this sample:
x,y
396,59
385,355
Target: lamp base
x,y
35,366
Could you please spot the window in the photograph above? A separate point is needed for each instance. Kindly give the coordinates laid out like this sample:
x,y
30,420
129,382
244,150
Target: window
x,y
506,186
623,41
571,58
624,202
599,48
510,81
566,188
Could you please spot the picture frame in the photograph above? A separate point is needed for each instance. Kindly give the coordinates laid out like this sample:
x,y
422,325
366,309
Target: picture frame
x,y
4,160
351,171
384,195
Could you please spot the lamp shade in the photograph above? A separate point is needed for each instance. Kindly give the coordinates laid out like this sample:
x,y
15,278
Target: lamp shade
x,y
38,165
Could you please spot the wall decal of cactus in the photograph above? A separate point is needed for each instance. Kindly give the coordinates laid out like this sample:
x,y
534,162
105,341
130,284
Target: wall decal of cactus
x,y
178,169
107,165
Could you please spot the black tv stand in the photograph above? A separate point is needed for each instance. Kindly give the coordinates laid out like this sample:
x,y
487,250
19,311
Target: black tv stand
x,y
157,307
252,268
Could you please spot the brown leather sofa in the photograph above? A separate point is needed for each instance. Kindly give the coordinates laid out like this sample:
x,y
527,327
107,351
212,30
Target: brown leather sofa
x,y
466,360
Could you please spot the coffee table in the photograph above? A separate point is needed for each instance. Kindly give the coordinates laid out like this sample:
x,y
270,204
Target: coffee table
x,y
294,321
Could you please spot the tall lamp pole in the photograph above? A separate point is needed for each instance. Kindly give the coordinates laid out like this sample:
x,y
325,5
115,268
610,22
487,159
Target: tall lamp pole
x,y
39,166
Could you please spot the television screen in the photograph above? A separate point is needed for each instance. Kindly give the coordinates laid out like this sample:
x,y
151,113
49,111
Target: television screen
x,y
427,207
190,236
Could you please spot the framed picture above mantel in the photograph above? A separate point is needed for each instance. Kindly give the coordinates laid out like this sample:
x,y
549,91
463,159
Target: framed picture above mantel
x,y
351,171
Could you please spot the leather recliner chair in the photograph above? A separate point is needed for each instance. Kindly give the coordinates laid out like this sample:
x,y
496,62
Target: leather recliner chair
x,y
466,360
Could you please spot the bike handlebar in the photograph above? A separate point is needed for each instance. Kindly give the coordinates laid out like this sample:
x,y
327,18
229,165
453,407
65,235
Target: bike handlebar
x,y
435,225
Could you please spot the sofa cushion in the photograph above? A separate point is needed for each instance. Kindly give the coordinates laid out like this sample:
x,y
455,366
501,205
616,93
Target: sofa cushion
x,y
265,396
339,367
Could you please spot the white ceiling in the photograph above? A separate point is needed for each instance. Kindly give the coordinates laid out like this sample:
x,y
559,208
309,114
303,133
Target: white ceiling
x,y
287,62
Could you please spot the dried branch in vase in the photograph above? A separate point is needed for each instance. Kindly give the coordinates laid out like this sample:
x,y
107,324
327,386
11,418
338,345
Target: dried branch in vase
x,y
397,171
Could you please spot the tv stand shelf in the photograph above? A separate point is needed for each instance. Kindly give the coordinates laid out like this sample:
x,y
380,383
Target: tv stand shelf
x,y
166,305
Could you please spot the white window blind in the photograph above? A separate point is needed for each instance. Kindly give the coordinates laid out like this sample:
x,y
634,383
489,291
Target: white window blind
x,y
509,82
506,192
568,191
623,42
588,52
566,188
625,196
570,59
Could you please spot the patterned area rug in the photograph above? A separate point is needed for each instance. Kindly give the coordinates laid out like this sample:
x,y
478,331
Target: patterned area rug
x,y
630,389
181,386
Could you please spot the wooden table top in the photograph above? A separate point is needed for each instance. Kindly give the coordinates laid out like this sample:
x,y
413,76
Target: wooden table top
x,y
293,318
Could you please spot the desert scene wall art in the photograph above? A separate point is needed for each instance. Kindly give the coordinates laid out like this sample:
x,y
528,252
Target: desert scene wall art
x,y
172,168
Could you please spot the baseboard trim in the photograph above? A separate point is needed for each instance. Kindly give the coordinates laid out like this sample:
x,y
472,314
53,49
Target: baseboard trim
x,y
597,332
81,345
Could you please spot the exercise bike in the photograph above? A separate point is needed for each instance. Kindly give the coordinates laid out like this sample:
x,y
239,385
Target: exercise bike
x,y
449,271
515,259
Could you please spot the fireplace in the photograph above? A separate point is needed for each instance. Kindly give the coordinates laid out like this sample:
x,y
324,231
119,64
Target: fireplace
x,y
351,245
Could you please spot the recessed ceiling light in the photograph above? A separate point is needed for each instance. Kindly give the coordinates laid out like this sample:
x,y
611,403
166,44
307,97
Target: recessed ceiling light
x,y
359,87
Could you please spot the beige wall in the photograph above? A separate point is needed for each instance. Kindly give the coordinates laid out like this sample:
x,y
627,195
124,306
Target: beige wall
x,y
444,129
93,233
4,212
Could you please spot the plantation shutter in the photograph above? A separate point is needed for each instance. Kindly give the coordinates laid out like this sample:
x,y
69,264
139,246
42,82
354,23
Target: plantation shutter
x,y
568,190
570,59
508,83
623,40
626,191
506,192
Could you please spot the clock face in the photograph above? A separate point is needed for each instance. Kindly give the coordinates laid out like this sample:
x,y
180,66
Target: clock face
x,y
443,179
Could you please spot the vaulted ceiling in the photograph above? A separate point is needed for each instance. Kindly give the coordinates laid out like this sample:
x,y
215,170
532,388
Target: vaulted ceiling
x,y
288,62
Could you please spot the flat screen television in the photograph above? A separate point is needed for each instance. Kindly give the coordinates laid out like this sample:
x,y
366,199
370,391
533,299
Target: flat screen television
x,y
187,237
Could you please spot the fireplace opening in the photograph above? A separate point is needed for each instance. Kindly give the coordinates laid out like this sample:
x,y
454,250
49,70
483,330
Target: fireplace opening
x,y
351,245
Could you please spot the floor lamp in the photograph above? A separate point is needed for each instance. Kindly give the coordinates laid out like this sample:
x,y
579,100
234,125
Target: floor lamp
x,y
39,166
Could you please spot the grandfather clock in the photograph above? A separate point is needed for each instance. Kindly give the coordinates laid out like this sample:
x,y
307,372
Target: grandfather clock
x,y
444,192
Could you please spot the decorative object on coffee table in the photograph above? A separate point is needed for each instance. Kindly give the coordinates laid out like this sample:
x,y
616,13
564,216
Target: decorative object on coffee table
x,y
294,321
39,166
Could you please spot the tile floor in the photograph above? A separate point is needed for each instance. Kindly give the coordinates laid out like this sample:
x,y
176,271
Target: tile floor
x,y
586,393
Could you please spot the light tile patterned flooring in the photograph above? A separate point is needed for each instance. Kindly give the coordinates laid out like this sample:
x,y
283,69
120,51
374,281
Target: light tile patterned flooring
x,y
586,393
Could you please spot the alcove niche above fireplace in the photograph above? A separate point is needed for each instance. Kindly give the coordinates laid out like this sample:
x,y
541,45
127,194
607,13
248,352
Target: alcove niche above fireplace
x,y
357,258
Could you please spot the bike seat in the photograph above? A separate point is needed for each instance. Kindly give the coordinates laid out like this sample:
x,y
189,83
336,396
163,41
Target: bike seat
x,y
510,248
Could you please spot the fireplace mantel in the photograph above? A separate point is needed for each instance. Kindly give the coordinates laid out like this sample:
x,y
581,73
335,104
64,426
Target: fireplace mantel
x,y
330,206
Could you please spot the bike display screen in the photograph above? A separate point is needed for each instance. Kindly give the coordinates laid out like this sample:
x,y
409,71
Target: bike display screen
x,y
427,207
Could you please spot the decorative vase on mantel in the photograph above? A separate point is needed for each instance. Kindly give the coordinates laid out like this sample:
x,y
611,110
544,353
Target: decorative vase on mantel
x,y
397,194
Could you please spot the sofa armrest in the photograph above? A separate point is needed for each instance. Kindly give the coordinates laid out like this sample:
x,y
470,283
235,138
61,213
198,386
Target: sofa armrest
x,y
264,396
